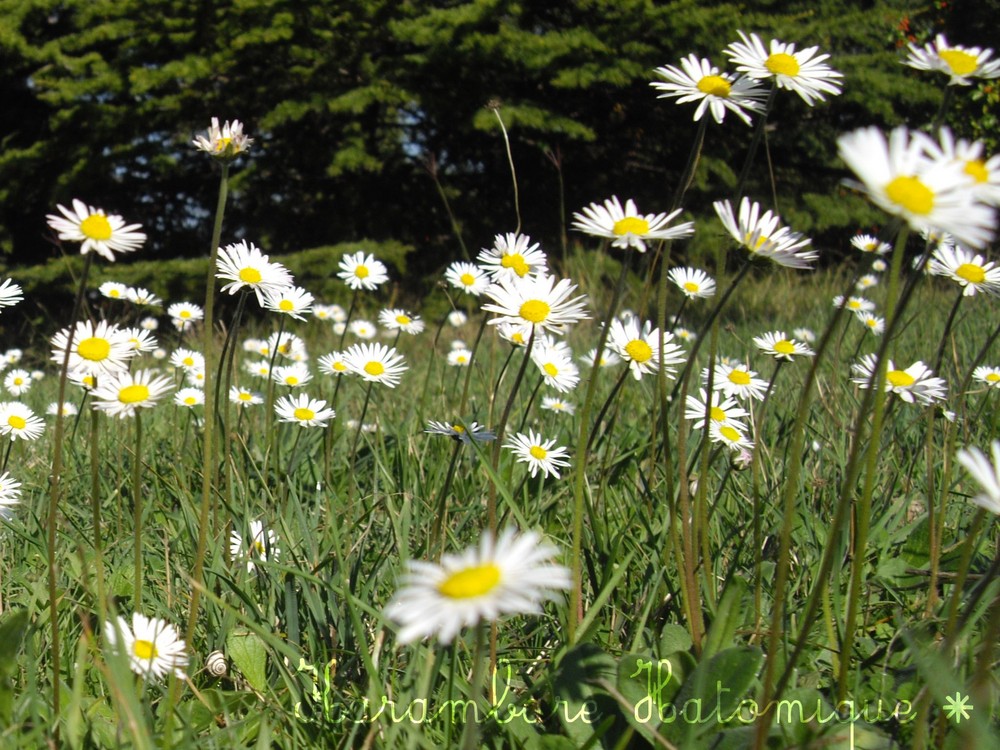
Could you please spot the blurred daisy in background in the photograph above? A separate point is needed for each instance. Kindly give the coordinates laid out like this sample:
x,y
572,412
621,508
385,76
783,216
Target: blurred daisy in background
x,y
332,364
460,357
693,282
465,433
872,322
375,363
763,236
988,375
555,362
244,397
10,293
184,314
190,397
985,473
626,227
510,575
261,545
697,80
400,320
556,404
955,61
970,270
17,382
123,394
866,243
95,230
914,384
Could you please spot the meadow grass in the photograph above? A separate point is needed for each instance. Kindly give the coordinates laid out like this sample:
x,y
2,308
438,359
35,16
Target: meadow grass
x,y
311,658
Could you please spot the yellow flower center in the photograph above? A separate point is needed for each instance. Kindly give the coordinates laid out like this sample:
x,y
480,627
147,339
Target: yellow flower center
x,y
184,314
470,582
961,63
639,351
900,379
257,548
515,261
739,377
871,322
971,272
717,414
853,304
756,245
976,169
18,381
339,366
96,227
286,305
144,649
403,320
781,64
992,377
361,272
303,414
534,311
784,347
538,452
250,275
291,380
911,194
468,279
461,359
88,380
458,428
517,338
714,86
690,286
630,225
114,293
550,369
18,423
730,433
190,401
374,369
244,396
188,362
133,394
94,349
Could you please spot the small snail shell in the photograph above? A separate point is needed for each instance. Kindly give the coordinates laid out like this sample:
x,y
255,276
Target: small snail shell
x,y
216,664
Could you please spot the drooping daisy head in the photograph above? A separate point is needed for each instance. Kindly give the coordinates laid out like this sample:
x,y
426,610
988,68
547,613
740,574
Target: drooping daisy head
x,y
464,432
513,256
113,290
802,71
17,382
763,236
905,175
362,271
225,142
363,329
698,80
510,575
123,394
303,411
153,646
626,227
375,363
95,230
539,301
959,63
970,270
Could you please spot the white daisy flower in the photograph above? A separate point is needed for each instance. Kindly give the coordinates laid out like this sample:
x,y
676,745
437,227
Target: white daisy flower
x,y
261,545
10,293
763,236
722,409
803,72
142,297
866,243
17,382
780,346
123,394
737,380
460,357
98,350
555,361
190,397
363,329
914,384
153,646
225,142
294,375
983,172
332,364
113,290
259,369
988,375
608,358
985,473
540,301
184,314
244,397
18,422
556,404
141,341
375,363
854,304
468,277
685,335
506,576
697,79
866,281
879,265
540,454
693,282
970,270
901,176
626,227
512,257
362,271
400,320
873,323
246,267
955,61
730,435
10,494
12,356
95,230
640,347
457,318
293,301
465,433
303,411
187,359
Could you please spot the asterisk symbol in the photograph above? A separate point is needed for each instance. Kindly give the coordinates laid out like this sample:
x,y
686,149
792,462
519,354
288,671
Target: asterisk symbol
x,y
957,707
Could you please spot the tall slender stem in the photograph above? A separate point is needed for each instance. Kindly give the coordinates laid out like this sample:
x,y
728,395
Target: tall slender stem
x,y
137,510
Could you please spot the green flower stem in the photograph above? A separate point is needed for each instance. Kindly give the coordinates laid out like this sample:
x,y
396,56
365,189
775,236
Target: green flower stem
x,y
580,470
54,494
468,370
441,517
470,735
863,511
95,511
137,510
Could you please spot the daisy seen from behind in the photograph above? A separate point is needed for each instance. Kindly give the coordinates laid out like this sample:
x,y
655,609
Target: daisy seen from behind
x,y
540,454
510,575
697,80
462,432
802,71
866,243
95,230
626,227
153,646
223,142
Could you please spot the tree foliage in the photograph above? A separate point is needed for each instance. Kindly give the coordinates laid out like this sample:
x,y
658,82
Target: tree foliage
x,y
358,105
